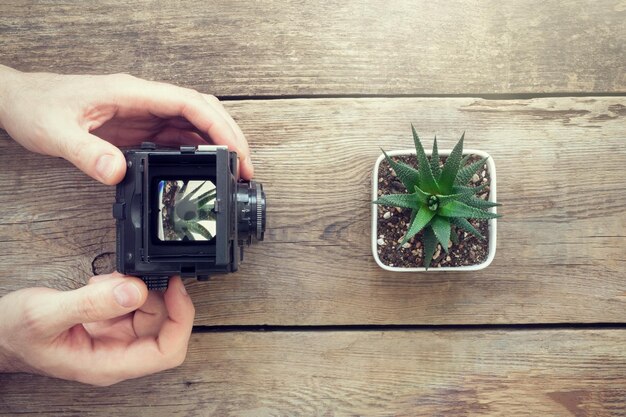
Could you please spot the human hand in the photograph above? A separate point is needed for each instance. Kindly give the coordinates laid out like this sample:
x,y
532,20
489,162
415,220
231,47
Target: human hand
x,y
105,332
81,117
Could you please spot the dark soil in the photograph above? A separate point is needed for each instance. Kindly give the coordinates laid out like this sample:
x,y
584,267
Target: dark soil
x,y
469,251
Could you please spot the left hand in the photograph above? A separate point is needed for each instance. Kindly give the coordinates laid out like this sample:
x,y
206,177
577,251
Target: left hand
x,y
108,331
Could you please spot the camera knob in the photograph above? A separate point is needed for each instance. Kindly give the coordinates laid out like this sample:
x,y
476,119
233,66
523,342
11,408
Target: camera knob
x,y
149,146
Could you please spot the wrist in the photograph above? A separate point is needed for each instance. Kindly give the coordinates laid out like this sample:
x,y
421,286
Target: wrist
x,y
8,77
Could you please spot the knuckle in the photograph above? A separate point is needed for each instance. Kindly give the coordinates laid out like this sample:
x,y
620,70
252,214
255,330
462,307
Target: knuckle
x,y
177,358
211,98
193,94
122,77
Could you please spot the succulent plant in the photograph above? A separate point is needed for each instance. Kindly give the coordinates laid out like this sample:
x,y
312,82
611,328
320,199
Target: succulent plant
x,y
439,197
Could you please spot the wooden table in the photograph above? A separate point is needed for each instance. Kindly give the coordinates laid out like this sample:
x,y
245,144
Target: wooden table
x,y
310,325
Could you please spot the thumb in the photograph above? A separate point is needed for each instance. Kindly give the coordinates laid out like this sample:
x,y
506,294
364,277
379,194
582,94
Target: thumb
x,y
96,157
101,300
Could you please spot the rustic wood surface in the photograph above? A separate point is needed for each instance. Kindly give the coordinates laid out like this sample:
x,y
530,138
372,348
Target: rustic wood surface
x,y
540,332
415,373
561,243
309,47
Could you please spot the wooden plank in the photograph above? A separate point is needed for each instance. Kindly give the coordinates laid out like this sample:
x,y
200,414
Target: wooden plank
x,y
561,244
299,48
415,373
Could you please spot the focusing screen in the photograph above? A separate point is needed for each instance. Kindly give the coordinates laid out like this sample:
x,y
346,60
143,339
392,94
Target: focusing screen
x,y
186,210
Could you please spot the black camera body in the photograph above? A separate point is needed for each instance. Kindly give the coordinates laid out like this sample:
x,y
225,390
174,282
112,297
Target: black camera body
x,y
184,212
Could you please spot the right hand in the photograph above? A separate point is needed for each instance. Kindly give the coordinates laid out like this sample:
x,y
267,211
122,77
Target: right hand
x,y
83,118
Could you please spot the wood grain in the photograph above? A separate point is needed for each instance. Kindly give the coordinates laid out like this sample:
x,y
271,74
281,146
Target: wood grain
x,y
300,48
418,373
561,246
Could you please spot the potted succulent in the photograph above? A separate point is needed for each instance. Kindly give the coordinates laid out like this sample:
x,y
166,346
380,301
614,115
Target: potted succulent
x,y
439,215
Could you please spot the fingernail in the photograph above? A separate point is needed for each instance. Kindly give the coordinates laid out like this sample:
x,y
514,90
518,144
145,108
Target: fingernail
x,y
105,166
127,294
182,288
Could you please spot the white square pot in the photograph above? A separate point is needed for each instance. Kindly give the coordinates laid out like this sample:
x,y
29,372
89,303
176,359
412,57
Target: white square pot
x,y
492,222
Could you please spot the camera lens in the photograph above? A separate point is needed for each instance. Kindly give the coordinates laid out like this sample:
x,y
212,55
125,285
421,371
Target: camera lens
x,y
250,211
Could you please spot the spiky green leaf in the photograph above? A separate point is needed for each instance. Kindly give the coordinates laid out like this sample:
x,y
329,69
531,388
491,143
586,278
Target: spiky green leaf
x,y
427,181
205,214
461,189
399,200
454,237
188,235
421,219
441,228
465,159
434,160
195,190
207,197
430,244
451,167
190,195
462,195
183,188
201,230
478,202
462,223
458,209
421,195
465,174
406,174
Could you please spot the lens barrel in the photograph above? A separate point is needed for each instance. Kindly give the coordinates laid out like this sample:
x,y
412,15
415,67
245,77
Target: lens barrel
x,y
250,211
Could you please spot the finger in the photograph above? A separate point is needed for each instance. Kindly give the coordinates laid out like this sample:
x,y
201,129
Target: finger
x,y
119,327
181,132
104,277
94,156
176,330
148,355
103,300
247,170
166,101
175,137
179,123
149,318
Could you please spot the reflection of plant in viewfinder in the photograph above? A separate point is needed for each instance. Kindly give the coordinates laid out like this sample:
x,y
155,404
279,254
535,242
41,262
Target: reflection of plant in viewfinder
x,y
191,209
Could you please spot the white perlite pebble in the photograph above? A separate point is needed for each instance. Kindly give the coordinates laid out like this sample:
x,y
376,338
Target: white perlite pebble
x,y
406,245
386,215
381,242
475,178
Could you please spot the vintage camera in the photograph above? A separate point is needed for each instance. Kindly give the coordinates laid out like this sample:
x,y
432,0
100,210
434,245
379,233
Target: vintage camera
x,y
184,212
